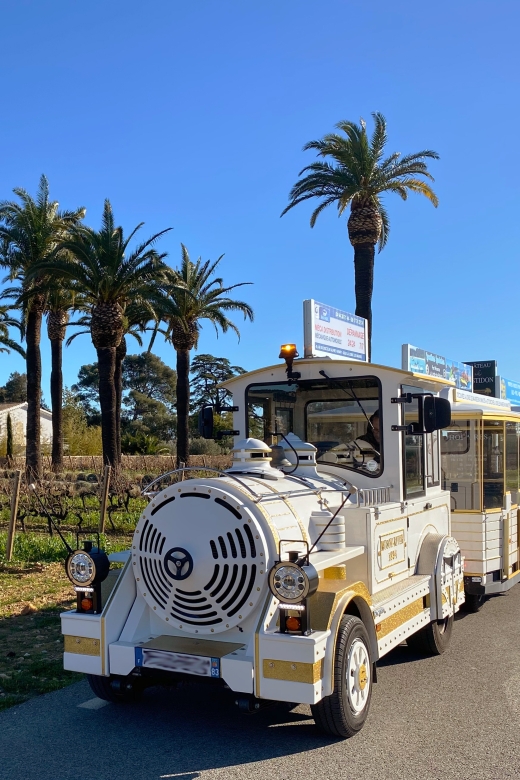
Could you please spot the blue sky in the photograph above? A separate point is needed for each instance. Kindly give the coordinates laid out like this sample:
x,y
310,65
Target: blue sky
x,y
194,115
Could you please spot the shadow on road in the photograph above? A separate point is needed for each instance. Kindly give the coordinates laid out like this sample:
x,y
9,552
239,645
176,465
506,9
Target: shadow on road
x,y
171,733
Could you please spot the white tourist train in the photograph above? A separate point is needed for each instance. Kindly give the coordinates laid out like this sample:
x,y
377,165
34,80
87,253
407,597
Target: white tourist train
x,y
480,465
327,543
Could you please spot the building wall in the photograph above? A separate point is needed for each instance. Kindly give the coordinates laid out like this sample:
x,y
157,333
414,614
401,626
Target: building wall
x,y
19,421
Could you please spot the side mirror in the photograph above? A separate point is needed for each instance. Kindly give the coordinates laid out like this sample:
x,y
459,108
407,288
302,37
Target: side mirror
x,y
206,422
436,413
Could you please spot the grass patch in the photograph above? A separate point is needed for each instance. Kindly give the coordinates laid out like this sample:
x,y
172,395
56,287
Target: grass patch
x,y
40,547
31,644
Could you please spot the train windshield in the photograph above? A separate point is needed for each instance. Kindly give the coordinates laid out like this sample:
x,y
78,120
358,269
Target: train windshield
x,y
340,417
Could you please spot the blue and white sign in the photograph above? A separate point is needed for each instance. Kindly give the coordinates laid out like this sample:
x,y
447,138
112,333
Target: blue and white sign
x,y
420,361
332,332
508,389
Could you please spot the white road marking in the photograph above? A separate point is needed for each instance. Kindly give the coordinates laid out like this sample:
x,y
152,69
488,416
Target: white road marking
x,y
94,704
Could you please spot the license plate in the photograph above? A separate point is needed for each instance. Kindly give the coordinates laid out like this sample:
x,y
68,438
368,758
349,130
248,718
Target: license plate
x,y
199,665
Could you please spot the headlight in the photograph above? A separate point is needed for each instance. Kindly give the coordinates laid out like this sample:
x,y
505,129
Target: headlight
x,y
292,583
87,567
81,569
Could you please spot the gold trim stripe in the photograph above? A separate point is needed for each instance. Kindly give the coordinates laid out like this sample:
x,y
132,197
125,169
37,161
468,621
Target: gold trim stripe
x,y
399,618
292,671
81,645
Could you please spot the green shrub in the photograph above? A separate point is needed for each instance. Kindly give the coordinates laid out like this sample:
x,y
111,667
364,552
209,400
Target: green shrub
x,y
42,548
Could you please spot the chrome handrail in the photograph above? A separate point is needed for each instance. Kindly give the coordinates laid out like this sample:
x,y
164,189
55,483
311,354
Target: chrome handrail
x,y
151,494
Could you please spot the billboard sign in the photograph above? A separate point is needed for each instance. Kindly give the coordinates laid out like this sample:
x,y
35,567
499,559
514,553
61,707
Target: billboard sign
x,y
420,361
508,389
476,398
332,332
484,375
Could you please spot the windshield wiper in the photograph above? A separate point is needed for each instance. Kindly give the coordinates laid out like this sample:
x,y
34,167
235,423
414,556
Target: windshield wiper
x,y
330,379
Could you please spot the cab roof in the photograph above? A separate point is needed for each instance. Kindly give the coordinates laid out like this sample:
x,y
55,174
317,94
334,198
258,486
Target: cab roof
x,y
434,383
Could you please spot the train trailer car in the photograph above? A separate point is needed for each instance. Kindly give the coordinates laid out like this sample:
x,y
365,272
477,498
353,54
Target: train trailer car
x,y
481,467
285,578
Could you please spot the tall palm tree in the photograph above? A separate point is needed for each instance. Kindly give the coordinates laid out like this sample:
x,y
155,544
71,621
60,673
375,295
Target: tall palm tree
x,y
195,296
99,265
59,303
30,230
137,317
357,175
6,322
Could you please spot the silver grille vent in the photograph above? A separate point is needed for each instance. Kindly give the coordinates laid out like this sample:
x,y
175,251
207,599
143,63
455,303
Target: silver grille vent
x,y
200,561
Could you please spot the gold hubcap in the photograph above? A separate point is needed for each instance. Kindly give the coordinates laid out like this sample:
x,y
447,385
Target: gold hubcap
x,y
363,677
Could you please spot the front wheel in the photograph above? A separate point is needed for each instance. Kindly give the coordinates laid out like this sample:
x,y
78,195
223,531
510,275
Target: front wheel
x,y
433,639
343,713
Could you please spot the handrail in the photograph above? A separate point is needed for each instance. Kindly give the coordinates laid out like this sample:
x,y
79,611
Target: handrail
x,y
146,491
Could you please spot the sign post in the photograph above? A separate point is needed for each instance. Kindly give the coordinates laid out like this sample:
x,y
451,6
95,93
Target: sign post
x,y
332,332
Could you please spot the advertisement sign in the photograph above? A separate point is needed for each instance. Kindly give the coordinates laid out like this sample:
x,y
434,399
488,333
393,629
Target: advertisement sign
x,y
484,375
476,398
420,361
508,389
332,332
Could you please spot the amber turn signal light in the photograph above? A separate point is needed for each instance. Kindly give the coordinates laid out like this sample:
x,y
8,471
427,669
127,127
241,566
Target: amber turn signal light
x,y
293,623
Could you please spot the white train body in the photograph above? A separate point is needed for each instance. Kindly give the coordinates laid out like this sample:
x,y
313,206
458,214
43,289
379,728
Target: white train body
x,y
193,597
481,468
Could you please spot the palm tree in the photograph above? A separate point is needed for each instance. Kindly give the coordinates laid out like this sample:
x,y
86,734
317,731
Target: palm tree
x,y
195,296
357,176
29,233
59,303
137,317
6,322
109,278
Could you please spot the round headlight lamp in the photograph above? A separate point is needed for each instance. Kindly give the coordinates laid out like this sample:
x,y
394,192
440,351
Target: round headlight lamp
x,y
87,567
81,569
292,583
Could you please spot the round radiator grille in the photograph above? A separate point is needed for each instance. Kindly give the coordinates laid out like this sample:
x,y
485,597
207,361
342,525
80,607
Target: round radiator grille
x,y
199,559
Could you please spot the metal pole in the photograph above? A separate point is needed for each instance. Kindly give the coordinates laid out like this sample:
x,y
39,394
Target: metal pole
x,y
104,499
14,512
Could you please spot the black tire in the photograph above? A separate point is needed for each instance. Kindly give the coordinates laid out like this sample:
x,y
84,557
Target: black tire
x,y
433,639
472,603
115,689
344,712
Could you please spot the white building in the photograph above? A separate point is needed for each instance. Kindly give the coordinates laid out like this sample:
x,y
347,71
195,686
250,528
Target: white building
x,y
18,412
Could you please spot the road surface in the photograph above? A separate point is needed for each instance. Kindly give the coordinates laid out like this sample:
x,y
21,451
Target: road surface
x,y
455,716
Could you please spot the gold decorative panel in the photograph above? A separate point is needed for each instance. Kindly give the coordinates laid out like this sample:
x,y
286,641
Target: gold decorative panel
x,y
81,645
293,671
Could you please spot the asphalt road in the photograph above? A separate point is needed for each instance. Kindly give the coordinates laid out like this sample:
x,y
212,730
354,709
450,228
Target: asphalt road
x,y
454,716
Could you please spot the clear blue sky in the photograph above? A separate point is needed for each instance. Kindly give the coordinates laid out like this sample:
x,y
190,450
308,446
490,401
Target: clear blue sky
x,y
193,115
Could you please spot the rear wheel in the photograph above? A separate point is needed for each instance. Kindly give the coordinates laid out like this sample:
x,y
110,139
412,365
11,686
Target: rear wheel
x,y
473,602
343,713
114,688
433,639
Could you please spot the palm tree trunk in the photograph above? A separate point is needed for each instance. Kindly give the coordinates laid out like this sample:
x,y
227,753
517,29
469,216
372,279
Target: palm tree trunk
x,y
183,405
107,401
118,382
364,255
33,455
57,404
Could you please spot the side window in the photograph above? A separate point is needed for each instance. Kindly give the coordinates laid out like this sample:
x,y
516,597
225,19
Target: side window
x,y
493,464
461,462
414,459
432,459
